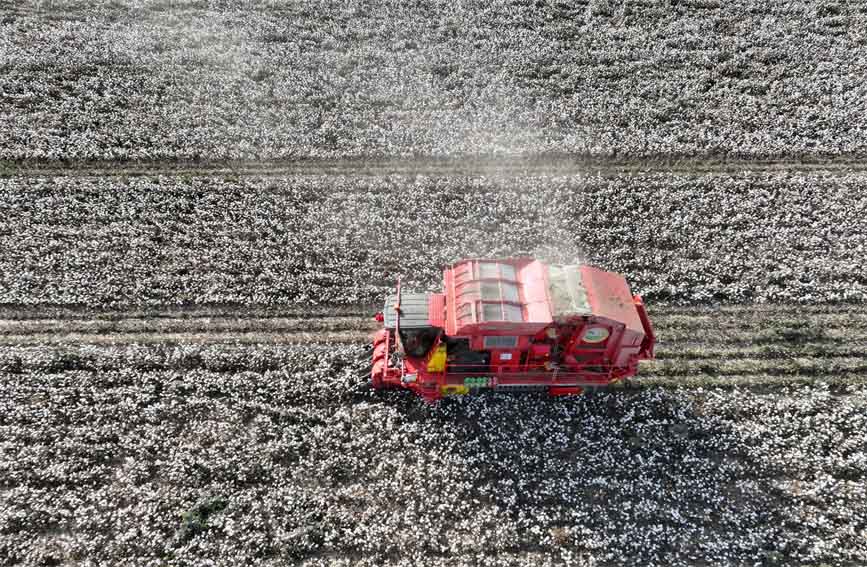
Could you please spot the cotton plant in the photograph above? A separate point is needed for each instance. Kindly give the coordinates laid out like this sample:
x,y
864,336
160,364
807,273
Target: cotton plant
x,y
144,81
335,240
294,458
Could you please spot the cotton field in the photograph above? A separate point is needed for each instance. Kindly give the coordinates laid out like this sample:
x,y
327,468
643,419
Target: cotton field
x,y
160,80
315,239
203,204
306,465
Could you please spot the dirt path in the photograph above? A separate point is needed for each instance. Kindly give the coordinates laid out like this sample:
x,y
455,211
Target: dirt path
x,y
698,346
489,166
679,328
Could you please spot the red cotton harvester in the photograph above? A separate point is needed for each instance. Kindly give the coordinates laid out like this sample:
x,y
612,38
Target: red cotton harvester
x,y
513,324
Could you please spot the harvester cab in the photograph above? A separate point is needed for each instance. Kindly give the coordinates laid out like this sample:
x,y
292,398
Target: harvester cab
x,y
514,324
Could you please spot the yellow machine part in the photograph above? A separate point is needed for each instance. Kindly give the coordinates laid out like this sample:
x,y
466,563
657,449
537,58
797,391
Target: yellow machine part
x,y
454,390
437,362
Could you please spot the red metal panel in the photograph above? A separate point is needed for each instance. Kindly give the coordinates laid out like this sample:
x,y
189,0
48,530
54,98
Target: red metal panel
x,y
565,390
530,275
534,284
449,290
505,359
380,358
610,297
649,336
436,303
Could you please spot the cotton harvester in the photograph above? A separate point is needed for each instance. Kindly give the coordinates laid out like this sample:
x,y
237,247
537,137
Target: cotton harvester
x,y
514,324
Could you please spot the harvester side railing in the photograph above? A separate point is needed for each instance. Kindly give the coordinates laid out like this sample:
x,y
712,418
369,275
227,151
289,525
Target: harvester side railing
x,y
649,336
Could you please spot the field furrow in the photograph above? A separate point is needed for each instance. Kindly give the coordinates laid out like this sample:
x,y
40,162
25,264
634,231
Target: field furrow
x,y
778,366
185,325
762,331
737,341
513,166
715,351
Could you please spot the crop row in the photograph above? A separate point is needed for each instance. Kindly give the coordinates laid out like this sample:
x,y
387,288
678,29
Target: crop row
x,y
305,464
773,333
795,365
237,324
137,79
714,352
308,240
813,363
810,320
823,362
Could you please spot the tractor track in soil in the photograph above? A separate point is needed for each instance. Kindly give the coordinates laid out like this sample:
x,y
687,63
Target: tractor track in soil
x,y
510,166
742,345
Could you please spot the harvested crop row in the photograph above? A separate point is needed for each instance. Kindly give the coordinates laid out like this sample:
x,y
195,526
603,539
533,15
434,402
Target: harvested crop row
x,y
688,345
714,352
159,80
248,352
727,334
664,315
342,241
305,464
188,325
793,316
786,320
750,336
761,310
751,382
824,366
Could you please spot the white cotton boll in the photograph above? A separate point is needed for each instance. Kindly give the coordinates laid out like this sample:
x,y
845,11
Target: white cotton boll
x,y
278,247
278,454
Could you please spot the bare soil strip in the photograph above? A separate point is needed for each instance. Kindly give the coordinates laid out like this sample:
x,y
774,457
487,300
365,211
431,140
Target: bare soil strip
x,y
675,315
725,347
189,325
205,336
466,165
64,313
684,330
750,381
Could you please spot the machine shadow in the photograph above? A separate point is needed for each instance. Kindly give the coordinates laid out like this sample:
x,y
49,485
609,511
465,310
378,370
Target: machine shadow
x,y
651,474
